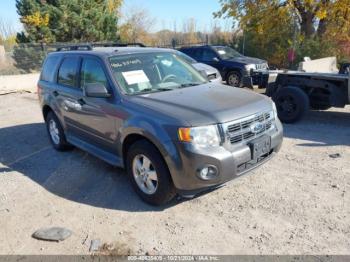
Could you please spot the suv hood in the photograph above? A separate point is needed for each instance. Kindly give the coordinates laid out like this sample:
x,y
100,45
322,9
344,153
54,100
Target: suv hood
x,y
205,104
247,60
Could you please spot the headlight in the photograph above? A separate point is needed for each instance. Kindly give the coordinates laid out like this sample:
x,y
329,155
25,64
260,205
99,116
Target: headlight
x,y
249,67
203,136
274,109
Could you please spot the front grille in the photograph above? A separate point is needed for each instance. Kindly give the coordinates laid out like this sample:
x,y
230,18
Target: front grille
x,y
261,66
241,130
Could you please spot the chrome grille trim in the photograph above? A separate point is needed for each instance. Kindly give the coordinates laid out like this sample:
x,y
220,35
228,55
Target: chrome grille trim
x,y
261,66
240,130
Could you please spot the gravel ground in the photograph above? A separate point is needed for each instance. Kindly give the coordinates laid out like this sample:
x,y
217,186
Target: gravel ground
x,y
297,203
16,83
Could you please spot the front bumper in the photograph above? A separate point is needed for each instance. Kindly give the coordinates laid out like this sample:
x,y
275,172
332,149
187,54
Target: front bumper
x,y
256,77
230,164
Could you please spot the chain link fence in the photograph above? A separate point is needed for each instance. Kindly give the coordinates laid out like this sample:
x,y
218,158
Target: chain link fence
x,y
28,58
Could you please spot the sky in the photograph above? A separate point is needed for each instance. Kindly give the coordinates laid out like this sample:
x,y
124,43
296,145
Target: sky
x,y
165,12
8,13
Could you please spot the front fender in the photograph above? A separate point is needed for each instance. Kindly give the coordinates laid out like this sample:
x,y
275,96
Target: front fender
x,y
161,136
146,127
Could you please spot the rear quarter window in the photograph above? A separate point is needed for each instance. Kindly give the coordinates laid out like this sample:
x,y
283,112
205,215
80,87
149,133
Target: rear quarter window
x,y
49,68
192,52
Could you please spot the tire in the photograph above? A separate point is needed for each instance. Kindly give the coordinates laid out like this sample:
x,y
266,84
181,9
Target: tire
x,y
292,103
234,79
163,189
58,140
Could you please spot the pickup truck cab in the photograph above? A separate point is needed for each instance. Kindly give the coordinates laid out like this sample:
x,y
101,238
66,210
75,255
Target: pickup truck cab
x,y
152,113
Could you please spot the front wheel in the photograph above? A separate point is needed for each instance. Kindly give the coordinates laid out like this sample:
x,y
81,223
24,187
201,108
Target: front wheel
x,y
149,174
234,79
292,103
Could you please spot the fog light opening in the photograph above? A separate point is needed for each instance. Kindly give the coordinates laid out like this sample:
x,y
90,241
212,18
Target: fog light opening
x,y
208,172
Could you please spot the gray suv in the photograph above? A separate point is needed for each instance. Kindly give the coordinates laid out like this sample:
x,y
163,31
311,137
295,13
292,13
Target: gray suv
x,y
151,112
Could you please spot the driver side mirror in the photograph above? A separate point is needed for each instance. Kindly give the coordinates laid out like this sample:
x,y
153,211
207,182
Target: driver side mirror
x,y
216,59
97,90
204,74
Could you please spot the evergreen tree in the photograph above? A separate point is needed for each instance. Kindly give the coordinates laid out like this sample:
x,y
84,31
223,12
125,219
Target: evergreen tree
x,y
68,20
51,21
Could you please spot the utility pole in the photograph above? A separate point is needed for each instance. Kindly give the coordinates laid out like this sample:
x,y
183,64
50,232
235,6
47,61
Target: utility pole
x,y
243,48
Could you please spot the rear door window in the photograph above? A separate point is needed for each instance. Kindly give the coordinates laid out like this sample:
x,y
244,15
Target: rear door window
x,y
67,74
196,54
190,52
49,68
207,55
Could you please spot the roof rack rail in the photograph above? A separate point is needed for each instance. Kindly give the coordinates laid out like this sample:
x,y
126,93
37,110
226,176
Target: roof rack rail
x,y
74,47
90,46
112,44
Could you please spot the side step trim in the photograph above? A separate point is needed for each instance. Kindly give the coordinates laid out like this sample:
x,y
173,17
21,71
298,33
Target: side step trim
x,y
97,152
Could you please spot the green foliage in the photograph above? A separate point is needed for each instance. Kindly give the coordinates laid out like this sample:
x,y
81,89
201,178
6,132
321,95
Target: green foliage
x,y
68,20
50,21
272,27
315,48
28,58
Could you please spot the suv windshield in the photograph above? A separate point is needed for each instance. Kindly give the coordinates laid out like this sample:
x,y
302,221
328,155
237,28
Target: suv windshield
x,y
226,52
153,72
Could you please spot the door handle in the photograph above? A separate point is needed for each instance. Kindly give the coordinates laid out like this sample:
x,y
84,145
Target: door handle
x,y
55,93
81,101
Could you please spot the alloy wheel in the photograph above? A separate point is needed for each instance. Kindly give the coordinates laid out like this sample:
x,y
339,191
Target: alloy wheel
x,y
54,132
145,174
233,80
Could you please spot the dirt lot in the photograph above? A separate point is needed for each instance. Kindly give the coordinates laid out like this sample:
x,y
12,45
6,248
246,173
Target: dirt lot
x,y
298,203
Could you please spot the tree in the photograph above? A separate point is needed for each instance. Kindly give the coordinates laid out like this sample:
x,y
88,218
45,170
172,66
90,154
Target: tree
x,y
7,34
275,26
67,20
50,21
137,26
313,16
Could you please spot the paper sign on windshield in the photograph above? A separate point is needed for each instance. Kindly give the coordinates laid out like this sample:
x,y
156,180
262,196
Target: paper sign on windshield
x,y
221,52
135,77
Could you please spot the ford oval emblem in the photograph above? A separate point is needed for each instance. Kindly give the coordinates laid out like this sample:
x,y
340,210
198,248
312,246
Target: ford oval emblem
x,y
256,127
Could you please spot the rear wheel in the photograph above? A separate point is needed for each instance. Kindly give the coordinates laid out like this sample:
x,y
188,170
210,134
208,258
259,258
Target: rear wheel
x,y
234,79
56,133
292,103
149,173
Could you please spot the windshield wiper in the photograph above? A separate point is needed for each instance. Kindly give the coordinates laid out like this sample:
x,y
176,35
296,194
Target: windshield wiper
x,y
152,90
189,84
